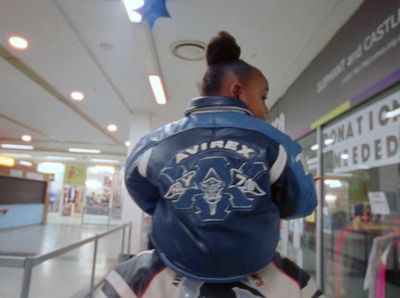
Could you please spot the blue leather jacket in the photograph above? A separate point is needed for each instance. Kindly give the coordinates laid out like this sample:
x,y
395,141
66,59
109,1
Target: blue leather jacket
x,y
217,183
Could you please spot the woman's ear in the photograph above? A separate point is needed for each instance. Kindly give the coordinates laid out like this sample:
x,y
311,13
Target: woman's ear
x,y
236,90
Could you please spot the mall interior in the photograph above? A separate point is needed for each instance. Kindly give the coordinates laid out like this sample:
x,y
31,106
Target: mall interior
x,y
82,81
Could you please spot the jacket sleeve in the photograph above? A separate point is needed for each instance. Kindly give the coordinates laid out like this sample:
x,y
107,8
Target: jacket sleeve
x,y
139,186
292,185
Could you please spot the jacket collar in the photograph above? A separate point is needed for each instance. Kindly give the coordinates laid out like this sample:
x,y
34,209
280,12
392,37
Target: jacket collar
x,y
207,104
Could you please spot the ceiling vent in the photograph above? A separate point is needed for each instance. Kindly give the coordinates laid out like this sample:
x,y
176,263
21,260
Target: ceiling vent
x,y
190,50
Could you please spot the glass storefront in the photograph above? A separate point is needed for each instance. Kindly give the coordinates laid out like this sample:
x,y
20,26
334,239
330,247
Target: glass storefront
x,y
360,230
361,211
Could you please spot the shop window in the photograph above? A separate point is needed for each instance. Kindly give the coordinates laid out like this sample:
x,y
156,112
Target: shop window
x,y
361,204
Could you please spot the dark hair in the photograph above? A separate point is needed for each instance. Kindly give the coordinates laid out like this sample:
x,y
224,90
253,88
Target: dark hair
x,y
223,57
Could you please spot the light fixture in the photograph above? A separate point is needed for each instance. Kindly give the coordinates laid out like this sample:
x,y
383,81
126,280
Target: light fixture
x,y
18,42
333,183
101,160
393,113
77,95
112,127
26,138
127,143
344,156
82,150
158,90
50,157
7,161
107,169
25,163
93,184
330,198
130,6
133,4
15,146
314,147
18,155
328,141
189,50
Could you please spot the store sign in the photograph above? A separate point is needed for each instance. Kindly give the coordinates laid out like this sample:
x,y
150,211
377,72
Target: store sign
x,y
368,138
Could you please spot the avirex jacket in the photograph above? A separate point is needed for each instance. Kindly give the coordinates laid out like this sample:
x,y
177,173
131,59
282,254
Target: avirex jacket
x,y
217,183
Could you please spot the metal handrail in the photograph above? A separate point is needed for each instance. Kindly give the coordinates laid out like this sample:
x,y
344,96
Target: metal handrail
x,y
29,262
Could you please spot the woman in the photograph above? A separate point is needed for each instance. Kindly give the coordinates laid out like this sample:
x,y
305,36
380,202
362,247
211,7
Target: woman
x,y
217,182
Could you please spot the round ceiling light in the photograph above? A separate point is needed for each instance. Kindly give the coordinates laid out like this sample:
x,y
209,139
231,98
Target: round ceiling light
x,y
77,95
18,42
26,138
112,127
190,50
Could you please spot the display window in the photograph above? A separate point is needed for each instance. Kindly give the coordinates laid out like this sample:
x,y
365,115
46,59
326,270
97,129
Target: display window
x,y
361,204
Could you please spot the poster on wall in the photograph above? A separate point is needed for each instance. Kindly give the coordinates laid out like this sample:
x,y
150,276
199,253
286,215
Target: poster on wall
x,y
379,203
75,175
366,139
74,181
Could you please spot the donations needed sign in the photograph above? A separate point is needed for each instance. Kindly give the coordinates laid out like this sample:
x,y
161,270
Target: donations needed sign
x,y
368,138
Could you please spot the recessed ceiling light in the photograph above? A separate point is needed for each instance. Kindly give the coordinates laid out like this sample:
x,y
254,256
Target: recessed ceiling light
x,y
127,143
18,42
25,163
112,127
158,90
26,138
314,147
82,150
15,146
77,95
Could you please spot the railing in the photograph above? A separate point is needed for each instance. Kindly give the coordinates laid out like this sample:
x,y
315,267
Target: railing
x,y
96,211
31,261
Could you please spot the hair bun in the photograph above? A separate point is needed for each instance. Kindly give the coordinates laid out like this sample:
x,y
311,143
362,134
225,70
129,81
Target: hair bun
x,y
222,48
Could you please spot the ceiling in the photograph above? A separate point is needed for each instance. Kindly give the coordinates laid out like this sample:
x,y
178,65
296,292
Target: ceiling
x,y
90,45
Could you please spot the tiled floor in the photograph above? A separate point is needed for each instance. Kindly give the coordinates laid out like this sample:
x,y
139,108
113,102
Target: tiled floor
x,y
67,275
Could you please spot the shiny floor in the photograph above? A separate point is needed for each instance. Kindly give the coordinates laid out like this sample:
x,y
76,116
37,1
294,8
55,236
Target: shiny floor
x,y
67,275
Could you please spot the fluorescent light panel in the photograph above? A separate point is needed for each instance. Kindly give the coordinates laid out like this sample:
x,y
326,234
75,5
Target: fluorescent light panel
x,y
130,6
18,155
100,160
15,146
81,150
158,90
49,157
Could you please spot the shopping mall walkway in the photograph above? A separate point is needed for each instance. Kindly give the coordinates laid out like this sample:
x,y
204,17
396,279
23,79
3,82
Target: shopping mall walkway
x,y
67,275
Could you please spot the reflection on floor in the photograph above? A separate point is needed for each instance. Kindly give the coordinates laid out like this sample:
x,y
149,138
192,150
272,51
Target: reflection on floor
x,y
67,275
